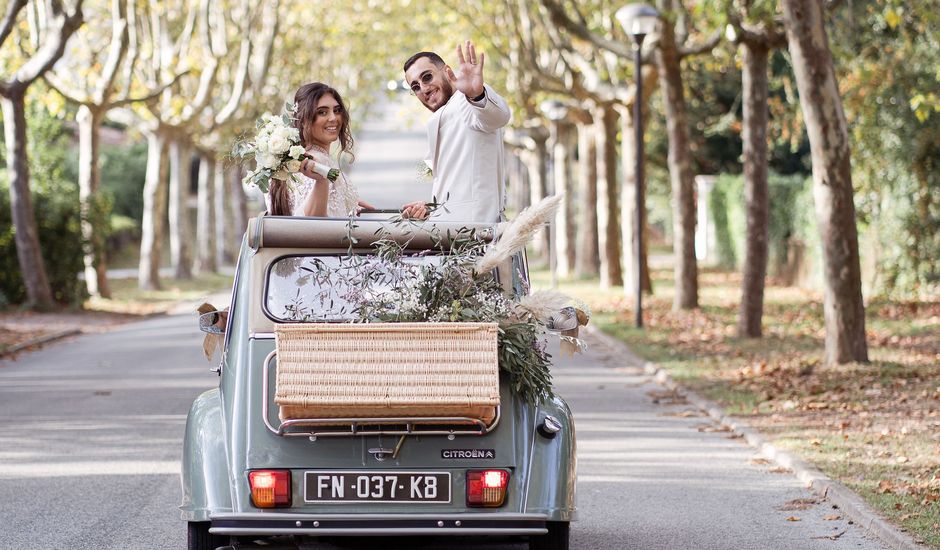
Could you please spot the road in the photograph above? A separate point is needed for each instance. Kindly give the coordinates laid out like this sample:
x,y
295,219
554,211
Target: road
x,y
390,148
91,428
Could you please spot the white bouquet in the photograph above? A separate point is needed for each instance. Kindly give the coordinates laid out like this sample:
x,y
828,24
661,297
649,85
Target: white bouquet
x,y
277,151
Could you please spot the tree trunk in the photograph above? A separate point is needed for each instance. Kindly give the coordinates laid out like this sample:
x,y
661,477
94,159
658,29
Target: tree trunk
x,y
515,168
755,189
538,189
181,155
680,164
205,220
832,180
239,208
587,254
219,203
565,218
608,197
234,214
26,232
628,151
151,230
522,194
92,216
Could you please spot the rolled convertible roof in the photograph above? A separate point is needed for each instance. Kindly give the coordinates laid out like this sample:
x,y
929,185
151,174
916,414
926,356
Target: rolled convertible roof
x,y
298,232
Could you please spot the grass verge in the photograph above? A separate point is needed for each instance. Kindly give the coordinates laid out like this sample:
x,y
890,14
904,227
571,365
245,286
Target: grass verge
x,y
128,299
875,427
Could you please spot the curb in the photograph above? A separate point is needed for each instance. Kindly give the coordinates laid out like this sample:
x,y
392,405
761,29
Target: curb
x,y
45,339
847,500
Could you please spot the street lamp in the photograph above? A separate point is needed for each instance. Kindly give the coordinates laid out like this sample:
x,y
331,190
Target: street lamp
x,y
638,20
554,110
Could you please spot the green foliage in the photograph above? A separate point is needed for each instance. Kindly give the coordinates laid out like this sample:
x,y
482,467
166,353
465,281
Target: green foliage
x,y
55,203
791,217
123,170
724,196
887,53
523,356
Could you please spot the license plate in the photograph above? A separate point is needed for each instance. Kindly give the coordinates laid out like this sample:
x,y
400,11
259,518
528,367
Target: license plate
x,y
376,486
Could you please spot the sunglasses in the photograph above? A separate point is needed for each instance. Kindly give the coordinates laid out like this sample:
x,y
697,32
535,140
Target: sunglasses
x,y
426,78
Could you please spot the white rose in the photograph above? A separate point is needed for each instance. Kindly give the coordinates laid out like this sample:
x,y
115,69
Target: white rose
x,y
278,144
295,152
268,161
293,166
261,142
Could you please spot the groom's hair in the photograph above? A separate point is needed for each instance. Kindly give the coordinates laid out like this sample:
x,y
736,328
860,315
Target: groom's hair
x,y
433,57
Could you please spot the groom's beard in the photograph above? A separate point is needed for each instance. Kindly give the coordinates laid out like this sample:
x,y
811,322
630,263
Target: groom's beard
x,y
444,92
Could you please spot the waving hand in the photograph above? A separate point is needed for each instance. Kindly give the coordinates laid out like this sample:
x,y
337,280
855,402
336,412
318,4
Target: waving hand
x,y
469,71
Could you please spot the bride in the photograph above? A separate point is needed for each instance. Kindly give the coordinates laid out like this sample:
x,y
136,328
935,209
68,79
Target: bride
x,y
322,118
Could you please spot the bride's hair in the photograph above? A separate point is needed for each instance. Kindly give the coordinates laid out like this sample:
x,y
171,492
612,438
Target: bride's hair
x,y
305,101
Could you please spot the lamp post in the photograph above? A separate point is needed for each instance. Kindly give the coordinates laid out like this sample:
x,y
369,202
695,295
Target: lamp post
x,y
554,111
638,20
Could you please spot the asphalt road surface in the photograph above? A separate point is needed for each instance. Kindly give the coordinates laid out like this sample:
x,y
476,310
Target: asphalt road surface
x,y
91,429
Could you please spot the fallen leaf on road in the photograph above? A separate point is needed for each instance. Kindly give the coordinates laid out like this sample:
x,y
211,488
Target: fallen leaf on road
x,y
683,414
798,504
832,517
758,461
830,537
667,397
713,428
793,518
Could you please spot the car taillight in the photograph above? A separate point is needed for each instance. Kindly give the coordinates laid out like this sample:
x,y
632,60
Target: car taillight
x,y
486,488
269,488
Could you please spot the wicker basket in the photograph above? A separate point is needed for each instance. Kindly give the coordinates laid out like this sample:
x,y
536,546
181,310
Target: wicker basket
x,y
383,370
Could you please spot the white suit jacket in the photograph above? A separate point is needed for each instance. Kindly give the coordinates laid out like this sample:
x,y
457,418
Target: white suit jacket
x,y
466,155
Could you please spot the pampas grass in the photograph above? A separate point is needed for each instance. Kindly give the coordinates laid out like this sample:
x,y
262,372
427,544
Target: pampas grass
x,y
518,232
541,305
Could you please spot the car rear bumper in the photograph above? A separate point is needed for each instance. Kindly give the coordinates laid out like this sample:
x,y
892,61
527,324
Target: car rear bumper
x,y
269,524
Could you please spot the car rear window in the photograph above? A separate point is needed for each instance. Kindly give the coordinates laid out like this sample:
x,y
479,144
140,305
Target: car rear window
x,y
326,288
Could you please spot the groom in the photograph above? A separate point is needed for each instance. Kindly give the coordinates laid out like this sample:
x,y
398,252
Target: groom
x,y
465,137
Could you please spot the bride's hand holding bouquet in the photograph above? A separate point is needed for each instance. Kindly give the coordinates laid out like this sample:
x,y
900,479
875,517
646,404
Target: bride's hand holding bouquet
x,y
277,152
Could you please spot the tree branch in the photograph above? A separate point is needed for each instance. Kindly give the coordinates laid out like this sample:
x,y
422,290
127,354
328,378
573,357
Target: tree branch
x,y
116,53
9,18
60,88
769,37
241,74
706,46
60,26
259,71
560,18
124,101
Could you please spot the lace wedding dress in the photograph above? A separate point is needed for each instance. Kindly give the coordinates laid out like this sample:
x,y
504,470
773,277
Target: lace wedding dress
x,y
342,199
